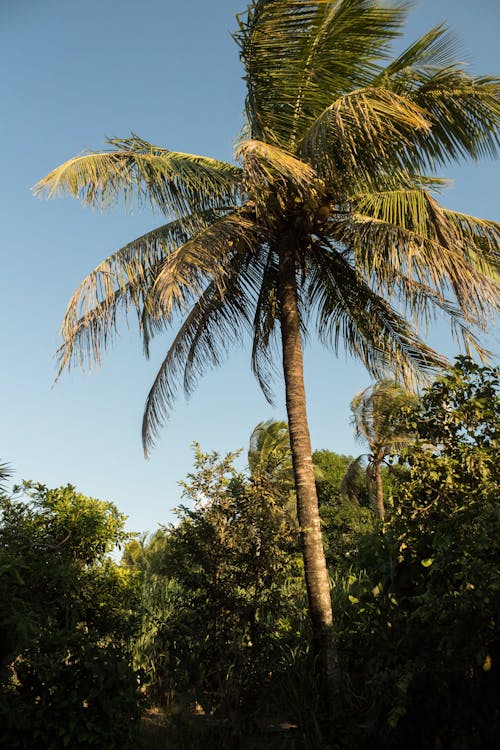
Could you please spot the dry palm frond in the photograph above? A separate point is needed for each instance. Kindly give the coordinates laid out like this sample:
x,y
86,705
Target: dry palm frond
x,y
271,173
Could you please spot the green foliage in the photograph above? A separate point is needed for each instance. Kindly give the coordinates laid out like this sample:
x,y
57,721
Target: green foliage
x,y
5,473
65,619
420,609
344,525
330,469
345,517
222,589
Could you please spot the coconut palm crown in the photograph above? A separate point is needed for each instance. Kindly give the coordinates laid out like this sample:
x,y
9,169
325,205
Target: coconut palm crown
x,y
375,411
328,219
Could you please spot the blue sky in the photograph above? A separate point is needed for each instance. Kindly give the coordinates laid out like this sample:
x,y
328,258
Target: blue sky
x,y
74,72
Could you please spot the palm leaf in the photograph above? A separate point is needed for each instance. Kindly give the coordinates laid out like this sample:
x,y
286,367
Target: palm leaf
x,y
265,323
408,233
207,255
344,136
354,476
437,48
348,311
480,240
176,183
116,285
215,322
269,452
299,55
5,474
464,112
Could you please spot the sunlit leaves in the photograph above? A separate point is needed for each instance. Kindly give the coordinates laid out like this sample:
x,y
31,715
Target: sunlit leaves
x,y
176,183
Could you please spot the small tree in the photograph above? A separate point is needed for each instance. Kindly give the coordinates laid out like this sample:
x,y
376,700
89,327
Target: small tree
x,y
375,411
224,567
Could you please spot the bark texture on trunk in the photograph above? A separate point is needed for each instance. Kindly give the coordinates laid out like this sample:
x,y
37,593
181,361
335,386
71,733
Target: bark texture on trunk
x,y
316,574
375,487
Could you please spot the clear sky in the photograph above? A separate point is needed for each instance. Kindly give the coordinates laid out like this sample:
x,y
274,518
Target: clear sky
x,y
72,73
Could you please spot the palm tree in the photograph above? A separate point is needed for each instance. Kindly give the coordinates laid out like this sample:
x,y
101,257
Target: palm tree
x,y
328,218
271,467
375,411
269,452
5,474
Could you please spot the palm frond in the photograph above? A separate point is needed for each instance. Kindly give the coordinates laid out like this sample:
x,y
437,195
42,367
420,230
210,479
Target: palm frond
x,y
480,239
437,48
367,130
349,312
362,183
207,255
174,182
5,474
464,112
299,55
215,322
354,476
269,450
118,284
407,233
265,324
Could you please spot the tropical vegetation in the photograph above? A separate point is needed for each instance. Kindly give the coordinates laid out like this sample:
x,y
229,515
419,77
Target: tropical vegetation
x,y
67,614
204,622
329,219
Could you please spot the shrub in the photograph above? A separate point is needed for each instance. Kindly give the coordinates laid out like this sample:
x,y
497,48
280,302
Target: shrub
x,y
67,678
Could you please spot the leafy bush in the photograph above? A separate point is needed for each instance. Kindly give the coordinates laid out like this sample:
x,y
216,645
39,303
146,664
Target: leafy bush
x,y
420,610
67,679
221,589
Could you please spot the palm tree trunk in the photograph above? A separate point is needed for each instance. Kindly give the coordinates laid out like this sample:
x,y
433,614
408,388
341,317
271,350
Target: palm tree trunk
x,y
375,488
316,574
